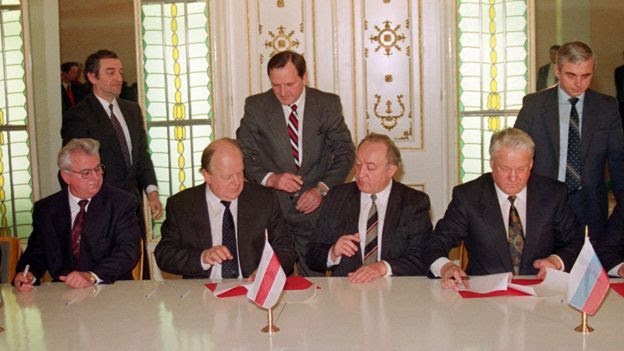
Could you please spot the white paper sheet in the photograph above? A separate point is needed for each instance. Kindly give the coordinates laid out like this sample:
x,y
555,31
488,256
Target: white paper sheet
x,y
484,284
556,283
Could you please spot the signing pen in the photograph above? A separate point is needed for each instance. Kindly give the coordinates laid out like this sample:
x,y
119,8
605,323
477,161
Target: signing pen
x,y
26,270
462,278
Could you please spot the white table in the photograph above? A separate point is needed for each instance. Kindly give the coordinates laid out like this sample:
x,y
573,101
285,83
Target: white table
x,y
408,313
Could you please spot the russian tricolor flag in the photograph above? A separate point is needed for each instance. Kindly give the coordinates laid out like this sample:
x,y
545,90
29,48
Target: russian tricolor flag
x,y
588,282
269,281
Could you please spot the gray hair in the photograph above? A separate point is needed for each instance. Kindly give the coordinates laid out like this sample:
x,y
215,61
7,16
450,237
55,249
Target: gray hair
x,y
575,52
87,146
393,155
513,138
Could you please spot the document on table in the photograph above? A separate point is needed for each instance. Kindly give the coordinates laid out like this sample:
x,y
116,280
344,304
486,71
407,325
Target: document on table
x,y
483,284
556,283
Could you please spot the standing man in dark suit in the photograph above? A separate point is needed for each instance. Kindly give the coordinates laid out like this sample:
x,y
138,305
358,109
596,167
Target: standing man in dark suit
x,y
546,74
375,226
510,220
71,93
216,229
577,132
611,249
86,233
295,140
118,125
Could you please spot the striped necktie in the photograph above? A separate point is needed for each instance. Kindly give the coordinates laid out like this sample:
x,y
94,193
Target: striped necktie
x,y
370,250
293,133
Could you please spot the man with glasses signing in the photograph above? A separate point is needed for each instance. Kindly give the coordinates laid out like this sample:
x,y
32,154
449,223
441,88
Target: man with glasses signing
x,y
85,234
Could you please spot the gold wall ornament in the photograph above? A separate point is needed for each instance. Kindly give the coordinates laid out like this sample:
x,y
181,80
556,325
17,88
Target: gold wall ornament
x,y
281,41
389,120
388,78
280,3
387,37
179,109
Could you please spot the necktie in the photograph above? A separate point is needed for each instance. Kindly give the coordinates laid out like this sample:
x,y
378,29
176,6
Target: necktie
x,y
229,268
120,137
70,95
573,163
515,237
77,231
370,250
293,133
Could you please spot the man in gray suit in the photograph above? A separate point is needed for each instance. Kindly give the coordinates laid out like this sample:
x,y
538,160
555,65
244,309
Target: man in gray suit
x,y
295,140
577,132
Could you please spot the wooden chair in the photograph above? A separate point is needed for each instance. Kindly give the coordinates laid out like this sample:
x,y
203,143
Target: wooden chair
x,y
137,271
10,255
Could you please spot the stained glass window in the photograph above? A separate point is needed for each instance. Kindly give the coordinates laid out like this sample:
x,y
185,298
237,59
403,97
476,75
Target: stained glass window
x,y
492,66
16,199
177,79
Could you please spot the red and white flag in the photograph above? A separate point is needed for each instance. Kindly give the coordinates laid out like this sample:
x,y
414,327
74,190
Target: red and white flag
x,y
269,281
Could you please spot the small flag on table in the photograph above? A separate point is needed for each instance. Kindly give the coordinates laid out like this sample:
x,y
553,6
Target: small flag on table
x,y
588,282
269,281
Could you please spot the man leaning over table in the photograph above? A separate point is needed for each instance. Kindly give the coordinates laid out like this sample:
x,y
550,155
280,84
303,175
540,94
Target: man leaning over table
x,y
216,229
611,248
375,226
85,234
509,220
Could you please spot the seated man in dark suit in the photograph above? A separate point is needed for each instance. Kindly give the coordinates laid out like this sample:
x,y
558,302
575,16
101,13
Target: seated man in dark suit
x,y
204,223
510,220
85,234
375,226
611,247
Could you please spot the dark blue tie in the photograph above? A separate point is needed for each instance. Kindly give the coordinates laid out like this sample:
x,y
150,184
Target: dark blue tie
x,y
573,164
229,268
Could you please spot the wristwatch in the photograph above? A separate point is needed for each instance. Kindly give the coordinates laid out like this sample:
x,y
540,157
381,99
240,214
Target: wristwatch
x,y
322,188
92,278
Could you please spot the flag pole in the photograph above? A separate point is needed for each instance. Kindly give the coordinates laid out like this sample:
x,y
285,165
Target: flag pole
x,y
270,328
584,327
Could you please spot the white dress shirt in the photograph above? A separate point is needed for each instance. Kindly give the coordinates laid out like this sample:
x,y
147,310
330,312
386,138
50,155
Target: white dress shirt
x,y
365,205
74,209
215,213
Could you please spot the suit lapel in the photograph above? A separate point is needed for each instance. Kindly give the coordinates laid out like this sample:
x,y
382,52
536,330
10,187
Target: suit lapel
x,y
492,217
587,129
104,123
278,128
351,217
531,227
62,225
551,114
310,128
133,128
391,218
199,214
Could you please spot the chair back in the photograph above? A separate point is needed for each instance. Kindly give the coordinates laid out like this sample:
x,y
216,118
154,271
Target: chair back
x,y
9,252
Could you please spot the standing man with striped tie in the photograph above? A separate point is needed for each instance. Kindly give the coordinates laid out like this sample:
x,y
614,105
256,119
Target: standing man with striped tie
x,y
375,226
118,125
577,132
295,140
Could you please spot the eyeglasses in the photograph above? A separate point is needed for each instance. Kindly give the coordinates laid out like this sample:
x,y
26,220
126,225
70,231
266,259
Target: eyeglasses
x,y
86,173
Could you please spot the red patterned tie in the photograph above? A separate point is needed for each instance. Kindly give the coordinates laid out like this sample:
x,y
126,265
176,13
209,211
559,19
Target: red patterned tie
x,y
293,132
76,231
70,95
120,136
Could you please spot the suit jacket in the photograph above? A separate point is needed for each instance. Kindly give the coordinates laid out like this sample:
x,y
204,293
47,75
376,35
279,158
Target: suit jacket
x,y
78,93
109,244
88,119
618,77
611,247
406,227
186,231
474,216
602,142
328,151
542,76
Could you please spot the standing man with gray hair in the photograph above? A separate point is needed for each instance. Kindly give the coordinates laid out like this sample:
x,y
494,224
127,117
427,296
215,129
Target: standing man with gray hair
x,y
295,141
85,234
509,220
577,132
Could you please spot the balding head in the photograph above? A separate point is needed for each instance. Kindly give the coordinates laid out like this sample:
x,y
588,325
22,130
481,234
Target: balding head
x,y
222,168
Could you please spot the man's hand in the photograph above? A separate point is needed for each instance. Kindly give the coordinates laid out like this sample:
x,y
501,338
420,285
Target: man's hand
x,y
287,182
346,245
368,273
543,263
216,254
155,205
23,283
453,276
309,201
77,280
621,271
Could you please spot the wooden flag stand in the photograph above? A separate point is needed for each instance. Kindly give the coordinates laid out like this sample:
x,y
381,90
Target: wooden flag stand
x,y
584,327
270,328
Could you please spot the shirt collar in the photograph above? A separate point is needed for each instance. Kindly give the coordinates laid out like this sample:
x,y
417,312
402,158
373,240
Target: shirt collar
x,y
105,104
73,200
300,101
502,197
214,202
382,196
564,97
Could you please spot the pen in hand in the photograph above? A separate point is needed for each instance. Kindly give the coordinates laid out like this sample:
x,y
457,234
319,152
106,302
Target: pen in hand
x,y
26,270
